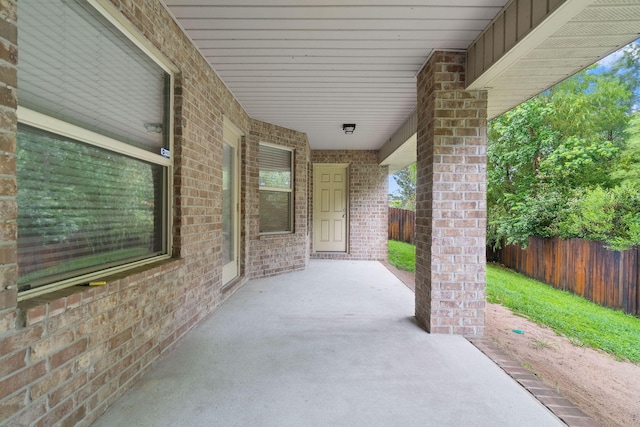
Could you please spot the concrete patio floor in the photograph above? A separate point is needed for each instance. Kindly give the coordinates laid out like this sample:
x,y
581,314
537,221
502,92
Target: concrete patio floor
x,y
334,345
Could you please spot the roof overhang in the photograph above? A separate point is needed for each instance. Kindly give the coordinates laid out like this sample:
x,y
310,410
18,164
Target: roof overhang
x,y
574,35
313,67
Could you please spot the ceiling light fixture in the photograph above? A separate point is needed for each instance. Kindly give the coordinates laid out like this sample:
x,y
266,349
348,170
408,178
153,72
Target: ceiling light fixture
x,y
348,128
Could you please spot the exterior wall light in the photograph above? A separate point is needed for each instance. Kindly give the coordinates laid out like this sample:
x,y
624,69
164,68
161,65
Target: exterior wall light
x,y
348,128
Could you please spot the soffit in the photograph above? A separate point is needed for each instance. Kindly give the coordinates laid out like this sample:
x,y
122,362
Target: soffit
x,y
312,65
593,32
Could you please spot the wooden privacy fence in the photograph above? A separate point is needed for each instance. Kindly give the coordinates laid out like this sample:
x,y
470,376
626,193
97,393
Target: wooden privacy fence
x,y
402,225
584,267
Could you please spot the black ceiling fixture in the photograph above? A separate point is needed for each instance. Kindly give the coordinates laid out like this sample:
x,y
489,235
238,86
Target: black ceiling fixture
x,y
348,128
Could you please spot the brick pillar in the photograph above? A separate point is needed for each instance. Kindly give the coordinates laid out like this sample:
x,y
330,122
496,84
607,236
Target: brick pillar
x,y
8,123
451,199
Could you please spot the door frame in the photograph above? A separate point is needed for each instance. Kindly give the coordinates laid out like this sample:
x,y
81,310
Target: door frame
x,y
346,167
232,136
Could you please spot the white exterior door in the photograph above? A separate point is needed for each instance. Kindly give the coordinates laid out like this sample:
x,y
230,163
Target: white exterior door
x,y
330,207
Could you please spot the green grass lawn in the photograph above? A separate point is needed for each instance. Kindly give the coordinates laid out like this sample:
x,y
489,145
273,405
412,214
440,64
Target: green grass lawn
x,y
581,321
402,255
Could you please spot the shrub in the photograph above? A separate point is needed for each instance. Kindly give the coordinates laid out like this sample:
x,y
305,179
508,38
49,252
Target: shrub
x,y
608,215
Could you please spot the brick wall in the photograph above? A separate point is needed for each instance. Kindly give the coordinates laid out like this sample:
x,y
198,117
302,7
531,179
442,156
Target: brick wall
x,y
451,199
66,356
278,253
368,203
73,353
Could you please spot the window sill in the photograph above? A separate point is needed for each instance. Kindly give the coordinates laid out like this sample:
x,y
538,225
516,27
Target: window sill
x,y
38,308
267,236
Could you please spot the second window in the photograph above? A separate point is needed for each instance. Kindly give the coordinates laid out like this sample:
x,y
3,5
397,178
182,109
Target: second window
x,y
276,189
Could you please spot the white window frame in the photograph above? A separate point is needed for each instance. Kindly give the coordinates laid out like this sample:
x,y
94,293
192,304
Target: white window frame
x,y
61,128
282,190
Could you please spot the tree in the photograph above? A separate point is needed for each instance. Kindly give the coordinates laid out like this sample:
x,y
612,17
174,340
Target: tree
x,y
591,105
627,68
405,196
545,152
627,171
608,215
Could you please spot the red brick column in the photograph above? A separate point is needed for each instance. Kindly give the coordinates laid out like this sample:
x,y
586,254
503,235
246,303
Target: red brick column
x,y
8,120
451,199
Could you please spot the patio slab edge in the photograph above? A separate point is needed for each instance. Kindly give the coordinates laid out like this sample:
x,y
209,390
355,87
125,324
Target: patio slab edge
x,y
561,407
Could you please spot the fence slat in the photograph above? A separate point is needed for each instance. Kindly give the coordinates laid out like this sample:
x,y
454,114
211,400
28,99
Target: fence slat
x,y
402,225
586,268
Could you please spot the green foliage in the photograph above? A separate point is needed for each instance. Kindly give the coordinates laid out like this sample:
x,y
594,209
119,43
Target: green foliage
x,y
84,262
92,203
612,216
519,139
572,316
402,255
627,67
577,162
538,215
405,196
627,170
591,106
545,154
395,202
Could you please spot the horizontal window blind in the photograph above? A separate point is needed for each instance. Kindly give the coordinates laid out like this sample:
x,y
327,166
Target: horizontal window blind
x,y
275,167
77,67
83,208
275,211
276,189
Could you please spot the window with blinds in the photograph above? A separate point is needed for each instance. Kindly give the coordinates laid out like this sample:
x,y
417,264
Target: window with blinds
x,y
93,148
77,67
83,207
276,189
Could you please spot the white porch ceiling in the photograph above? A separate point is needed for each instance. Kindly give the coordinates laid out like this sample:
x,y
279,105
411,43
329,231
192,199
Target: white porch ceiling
x,y
312,65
